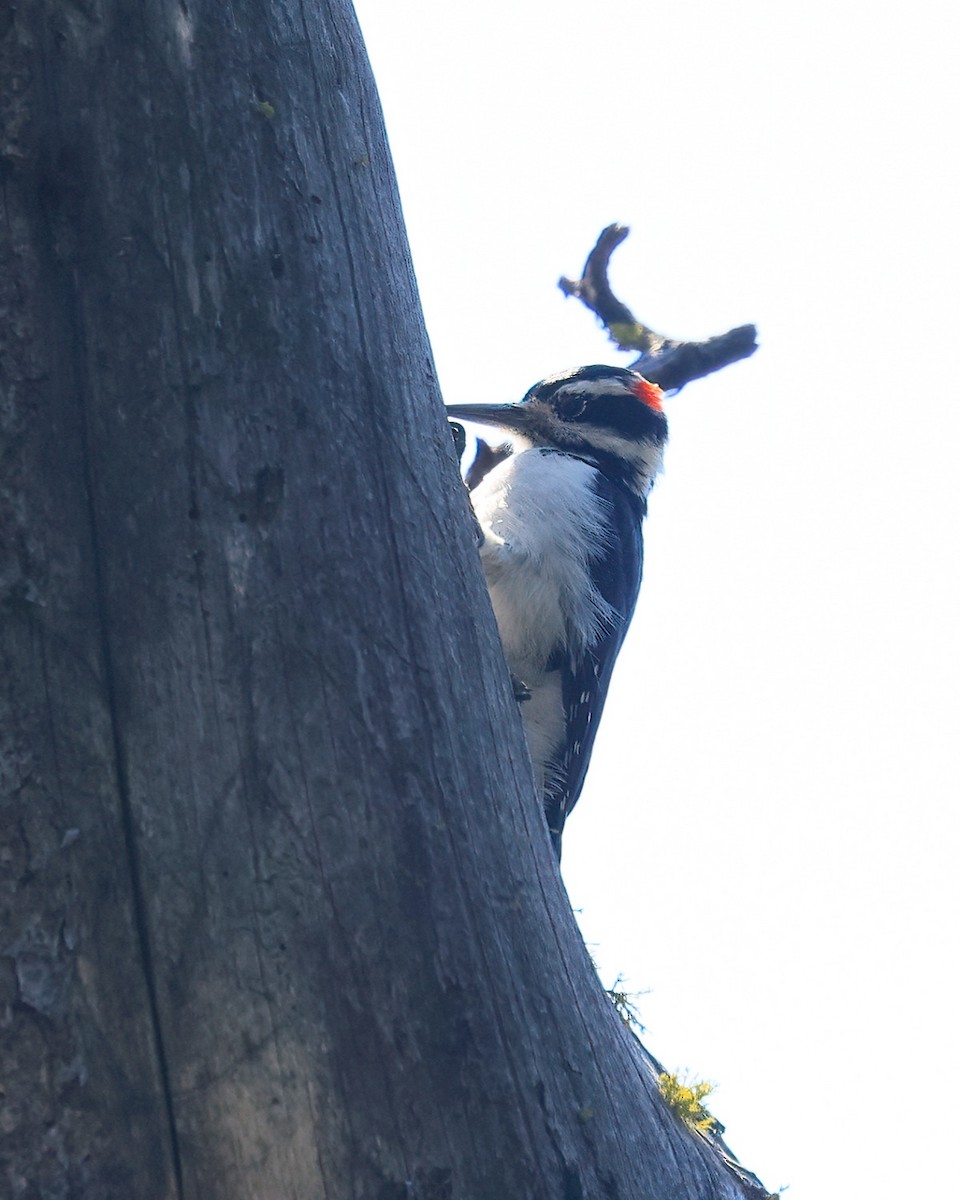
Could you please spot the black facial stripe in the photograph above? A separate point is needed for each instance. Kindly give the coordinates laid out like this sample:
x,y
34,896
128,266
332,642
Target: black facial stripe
x,y
625,416
569,404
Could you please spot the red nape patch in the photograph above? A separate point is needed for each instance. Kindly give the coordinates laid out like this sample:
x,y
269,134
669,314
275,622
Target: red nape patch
x,y
649,393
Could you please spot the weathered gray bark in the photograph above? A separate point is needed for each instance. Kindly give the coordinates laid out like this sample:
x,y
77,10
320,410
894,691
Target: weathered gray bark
x,y
275,923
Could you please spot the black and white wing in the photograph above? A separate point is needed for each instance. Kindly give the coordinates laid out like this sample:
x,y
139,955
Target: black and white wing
x,y
616,571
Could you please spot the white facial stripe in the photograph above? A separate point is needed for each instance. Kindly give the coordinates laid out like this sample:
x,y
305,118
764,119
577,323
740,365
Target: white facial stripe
x,y
594,387
646,458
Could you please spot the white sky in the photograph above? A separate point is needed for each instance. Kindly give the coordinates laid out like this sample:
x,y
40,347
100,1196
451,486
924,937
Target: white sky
x,y
768,838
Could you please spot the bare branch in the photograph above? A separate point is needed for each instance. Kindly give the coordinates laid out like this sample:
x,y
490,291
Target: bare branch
x,y
678,363
666,361
595,292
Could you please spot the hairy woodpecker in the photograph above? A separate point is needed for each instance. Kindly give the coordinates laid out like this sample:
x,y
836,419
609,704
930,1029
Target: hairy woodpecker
x,y
562,553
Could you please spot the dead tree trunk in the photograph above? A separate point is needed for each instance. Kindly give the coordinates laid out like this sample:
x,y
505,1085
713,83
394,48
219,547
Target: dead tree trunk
x,y
276,924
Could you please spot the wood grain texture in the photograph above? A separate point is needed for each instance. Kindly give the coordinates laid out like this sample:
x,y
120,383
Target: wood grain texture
x,y
276,923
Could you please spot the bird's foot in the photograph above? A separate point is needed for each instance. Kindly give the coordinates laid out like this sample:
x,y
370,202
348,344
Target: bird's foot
x,y
521,692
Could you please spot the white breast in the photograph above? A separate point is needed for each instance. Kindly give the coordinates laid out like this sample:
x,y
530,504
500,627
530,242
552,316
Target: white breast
x,y
543,525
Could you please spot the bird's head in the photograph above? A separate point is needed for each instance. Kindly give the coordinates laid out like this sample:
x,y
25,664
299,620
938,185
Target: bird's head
x,y
609,416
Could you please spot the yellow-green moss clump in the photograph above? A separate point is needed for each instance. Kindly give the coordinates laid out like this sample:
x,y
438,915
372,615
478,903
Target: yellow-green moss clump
x,y
686,1099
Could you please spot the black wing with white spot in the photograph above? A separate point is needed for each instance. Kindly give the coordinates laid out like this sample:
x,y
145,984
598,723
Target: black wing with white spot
x,y
616,570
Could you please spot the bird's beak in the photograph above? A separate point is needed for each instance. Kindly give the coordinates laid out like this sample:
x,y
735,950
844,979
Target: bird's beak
x,y
505,416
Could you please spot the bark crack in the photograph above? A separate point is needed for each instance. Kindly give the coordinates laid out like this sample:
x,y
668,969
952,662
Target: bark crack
x,y
138,897
74,322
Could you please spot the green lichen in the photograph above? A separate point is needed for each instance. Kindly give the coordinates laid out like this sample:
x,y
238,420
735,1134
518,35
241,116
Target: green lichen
x,y
628,335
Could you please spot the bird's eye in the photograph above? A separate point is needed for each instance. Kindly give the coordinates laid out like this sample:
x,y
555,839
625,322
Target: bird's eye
x,y
570,405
